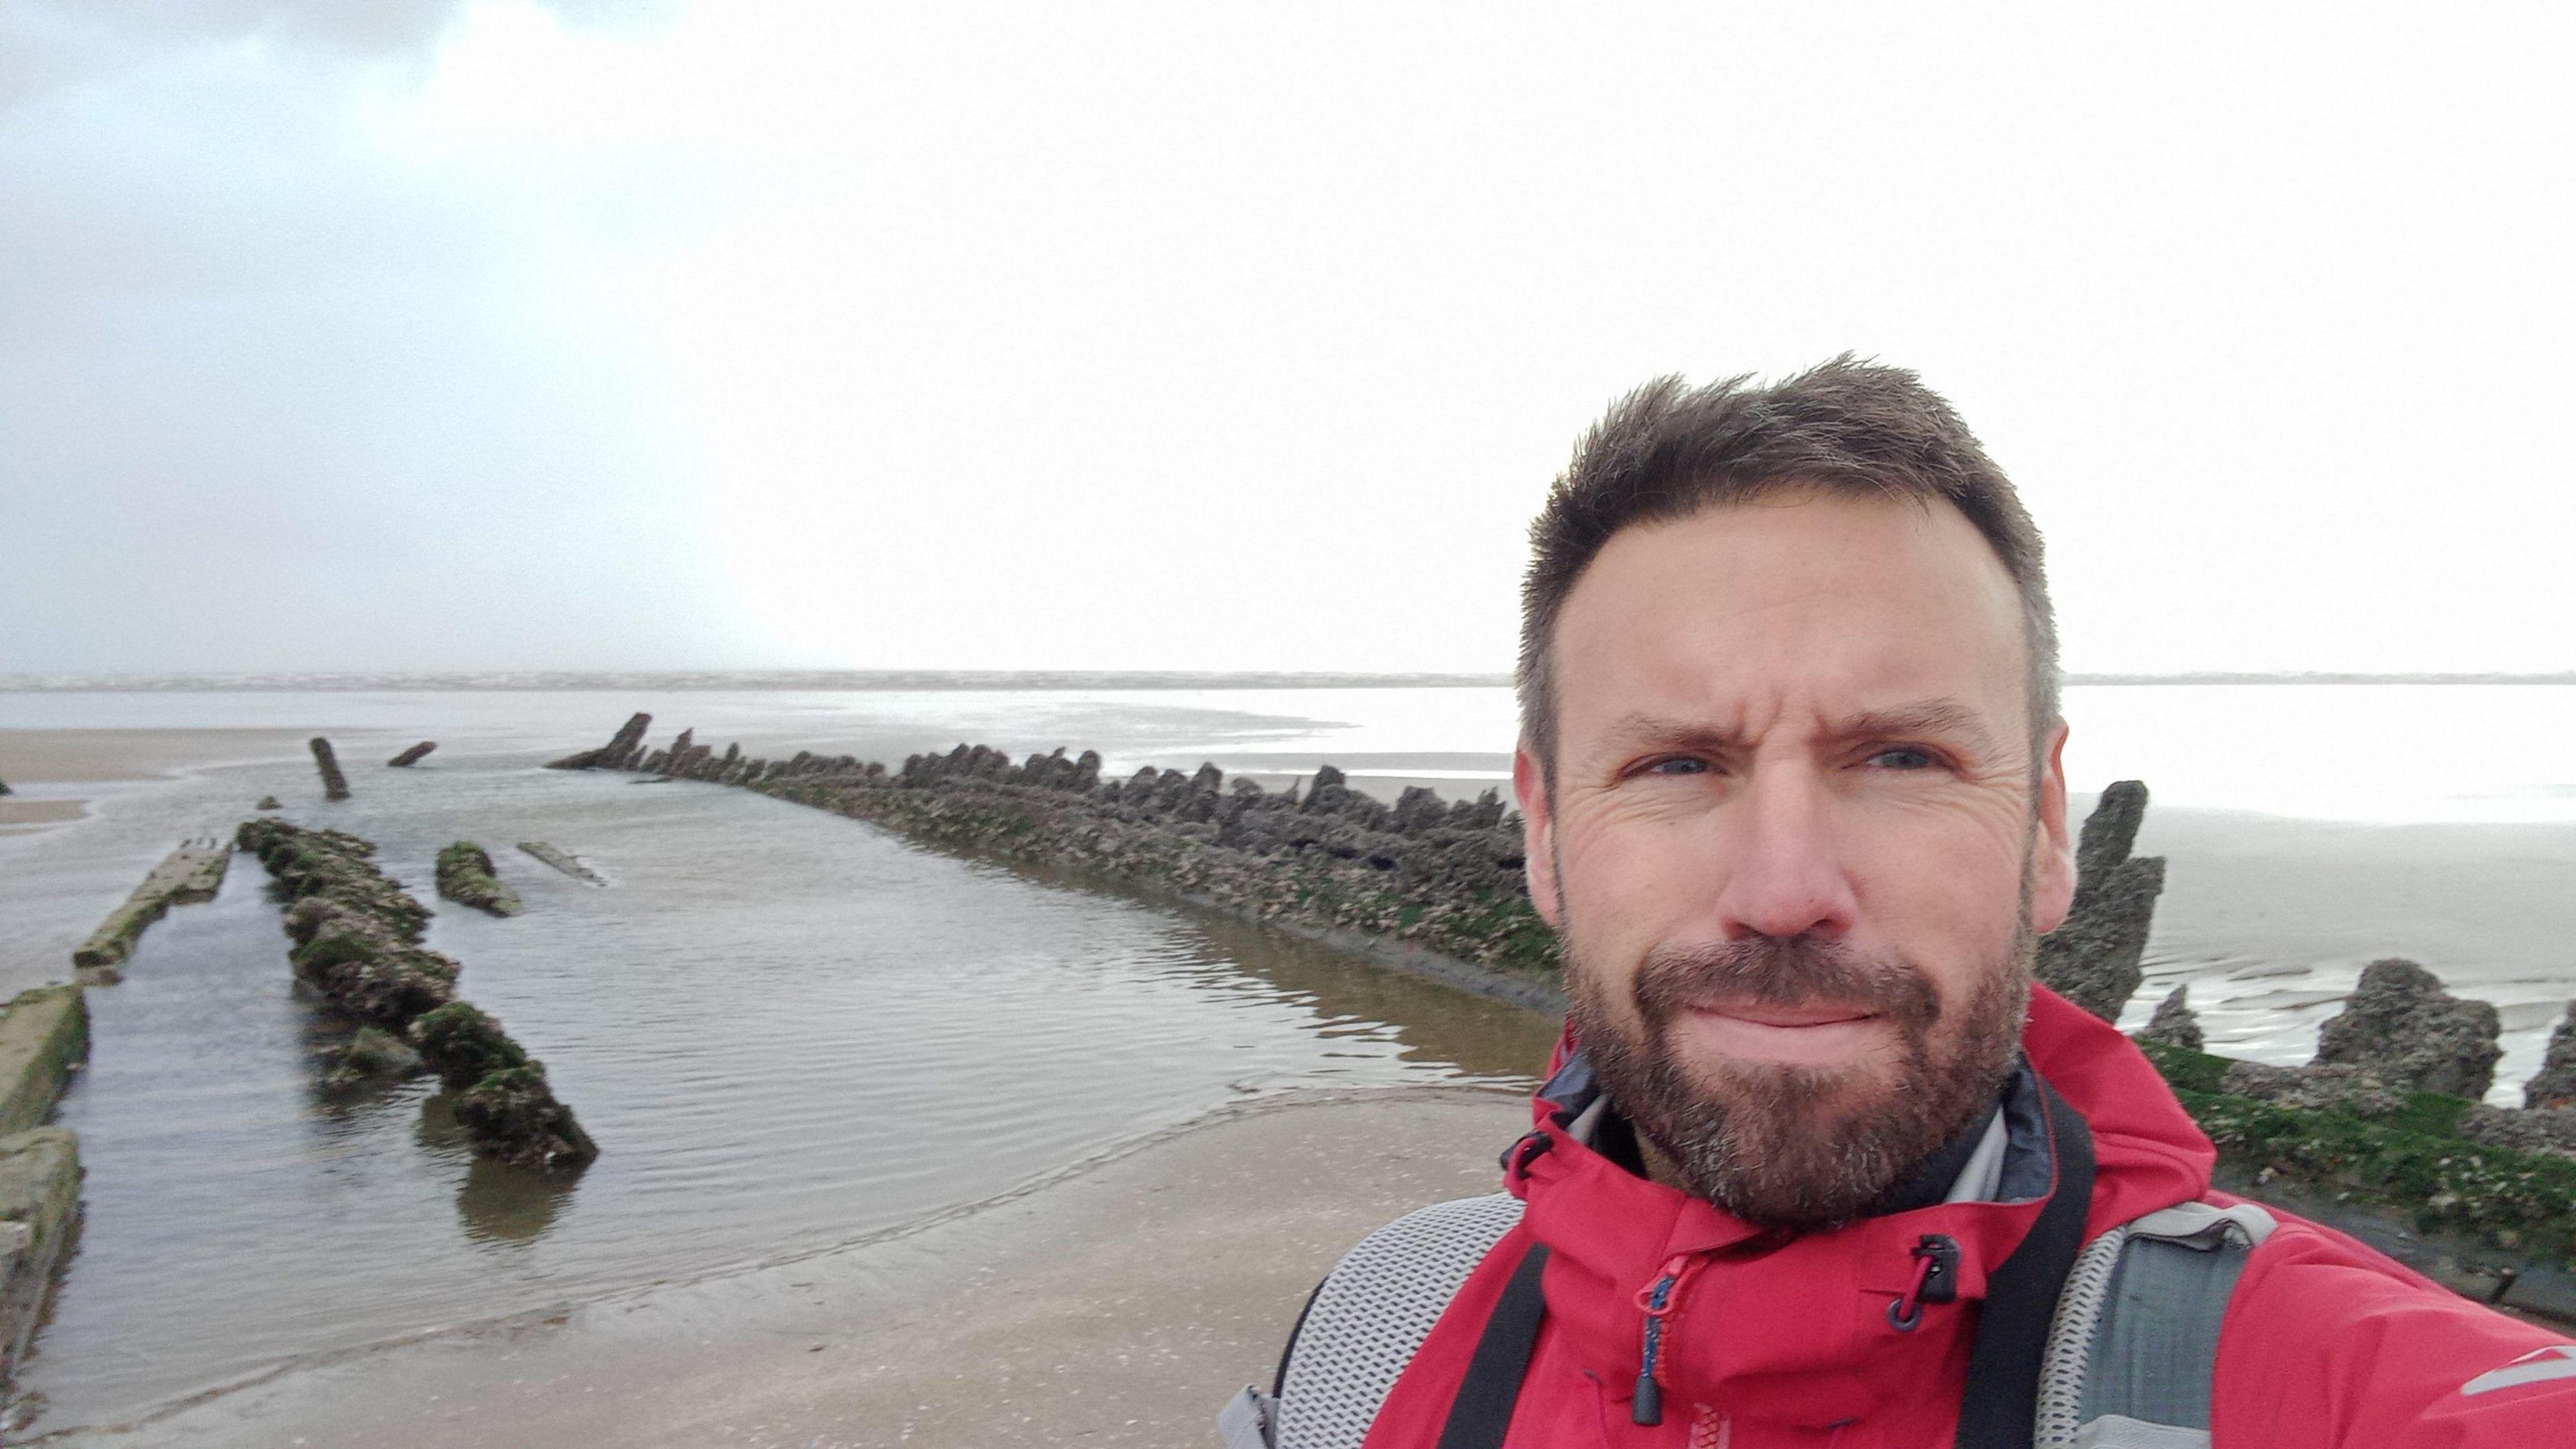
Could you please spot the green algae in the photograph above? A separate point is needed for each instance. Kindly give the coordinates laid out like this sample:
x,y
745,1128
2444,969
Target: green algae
x,y
466,876
44,1037
2411,1160
511,1115
463,1045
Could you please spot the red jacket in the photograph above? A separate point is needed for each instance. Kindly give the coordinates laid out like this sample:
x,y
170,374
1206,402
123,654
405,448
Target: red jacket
x,y
2326,1343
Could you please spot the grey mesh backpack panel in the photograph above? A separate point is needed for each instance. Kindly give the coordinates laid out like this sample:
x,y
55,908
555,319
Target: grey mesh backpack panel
x,y
2132,1349
1374,1311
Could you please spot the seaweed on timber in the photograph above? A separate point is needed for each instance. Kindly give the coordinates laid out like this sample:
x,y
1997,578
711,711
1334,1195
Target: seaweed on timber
x,y
357,937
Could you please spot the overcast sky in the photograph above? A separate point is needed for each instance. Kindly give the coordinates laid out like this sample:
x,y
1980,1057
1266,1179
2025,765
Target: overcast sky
x,y
450,335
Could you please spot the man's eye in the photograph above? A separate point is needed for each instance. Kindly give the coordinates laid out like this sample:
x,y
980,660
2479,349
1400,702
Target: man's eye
x,y
1902,759
1678,765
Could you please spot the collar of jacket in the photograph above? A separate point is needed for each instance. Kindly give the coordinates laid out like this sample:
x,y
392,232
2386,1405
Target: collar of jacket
x,y
1796,1329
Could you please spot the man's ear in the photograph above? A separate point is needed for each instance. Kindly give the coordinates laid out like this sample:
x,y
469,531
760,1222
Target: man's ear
x,y
2052,863
1538,834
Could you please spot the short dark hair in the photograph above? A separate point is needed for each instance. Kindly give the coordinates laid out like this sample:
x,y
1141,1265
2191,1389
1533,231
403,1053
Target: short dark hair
x,y
1848,427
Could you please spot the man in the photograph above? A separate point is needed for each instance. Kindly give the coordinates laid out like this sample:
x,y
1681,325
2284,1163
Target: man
x,y
1819,1166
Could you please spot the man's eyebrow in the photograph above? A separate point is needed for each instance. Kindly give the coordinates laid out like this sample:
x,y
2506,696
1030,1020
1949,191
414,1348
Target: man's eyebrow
x,y
1631,731
1930,717
1924,717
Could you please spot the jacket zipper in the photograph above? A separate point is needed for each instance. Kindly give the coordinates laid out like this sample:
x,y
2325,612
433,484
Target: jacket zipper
x,y
1646,1404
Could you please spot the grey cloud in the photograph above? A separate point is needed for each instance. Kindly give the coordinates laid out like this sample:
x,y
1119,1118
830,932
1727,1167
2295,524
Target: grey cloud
x,y
355,27
48,45
361,26
150,153
270,393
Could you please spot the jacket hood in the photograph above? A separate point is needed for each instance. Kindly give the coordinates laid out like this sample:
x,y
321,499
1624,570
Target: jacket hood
x,y
1830,1347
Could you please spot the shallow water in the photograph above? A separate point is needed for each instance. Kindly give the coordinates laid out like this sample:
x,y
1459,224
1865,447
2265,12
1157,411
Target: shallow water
x,y
785,1029
2270,922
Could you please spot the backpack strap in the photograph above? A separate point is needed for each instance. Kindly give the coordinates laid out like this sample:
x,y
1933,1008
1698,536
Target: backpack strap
x,y
2008,1358
1363,1325
2134,1347
1481,1414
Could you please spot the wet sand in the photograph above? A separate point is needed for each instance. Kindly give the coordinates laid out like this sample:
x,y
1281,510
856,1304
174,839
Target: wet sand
x,y
1119,1303
18,815
55,758
58,756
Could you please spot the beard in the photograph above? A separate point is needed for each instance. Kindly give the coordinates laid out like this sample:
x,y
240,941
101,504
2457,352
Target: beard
x,y
1803,1147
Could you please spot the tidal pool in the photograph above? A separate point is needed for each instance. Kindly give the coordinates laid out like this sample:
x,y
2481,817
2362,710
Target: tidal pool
x,y
787,1030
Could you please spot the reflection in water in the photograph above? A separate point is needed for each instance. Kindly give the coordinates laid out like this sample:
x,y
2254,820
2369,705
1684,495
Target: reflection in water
x,y
499,1203
1488,1040
496,1202
342,1105
437,1129
1491,1040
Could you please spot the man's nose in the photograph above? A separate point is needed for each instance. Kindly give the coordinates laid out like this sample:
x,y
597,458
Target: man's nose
x,y
1784,872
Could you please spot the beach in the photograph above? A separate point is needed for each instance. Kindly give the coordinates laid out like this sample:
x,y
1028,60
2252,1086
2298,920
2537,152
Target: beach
x,y
997,1028
836,1075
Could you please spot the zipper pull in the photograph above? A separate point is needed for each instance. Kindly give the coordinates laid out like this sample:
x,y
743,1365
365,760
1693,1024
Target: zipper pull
x,y
1646,1403
1648,1408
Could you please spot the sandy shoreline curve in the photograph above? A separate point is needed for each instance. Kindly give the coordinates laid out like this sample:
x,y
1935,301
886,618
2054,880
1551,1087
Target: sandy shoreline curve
x,y
38,758
17,814
1119,1303
86,756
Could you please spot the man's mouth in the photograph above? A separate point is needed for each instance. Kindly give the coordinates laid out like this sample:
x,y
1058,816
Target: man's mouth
x,y
1816,1034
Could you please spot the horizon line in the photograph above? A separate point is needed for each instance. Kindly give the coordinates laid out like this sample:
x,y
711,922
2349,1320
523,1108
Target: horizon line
x,y
942,680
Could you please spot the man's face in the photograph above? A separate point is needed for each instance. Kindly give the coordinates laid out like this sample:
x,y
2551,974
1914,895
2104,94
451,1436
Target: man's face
x,y
1792,842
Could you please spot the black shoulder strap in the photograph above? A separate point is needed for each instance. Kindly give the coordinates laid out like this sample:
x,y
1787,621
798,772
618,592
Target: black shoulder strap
x,y
1482,1412
2002,1399
1288,1350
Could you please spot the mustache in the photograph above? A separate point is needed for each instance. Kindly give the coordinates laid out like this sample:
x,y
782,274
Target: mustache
x,y
1783,971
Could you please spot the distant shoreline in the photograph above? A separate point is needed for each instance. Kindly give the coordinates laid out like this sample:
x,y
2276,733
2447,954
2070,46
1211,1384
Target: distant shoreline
x,y
959,680
2562,677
